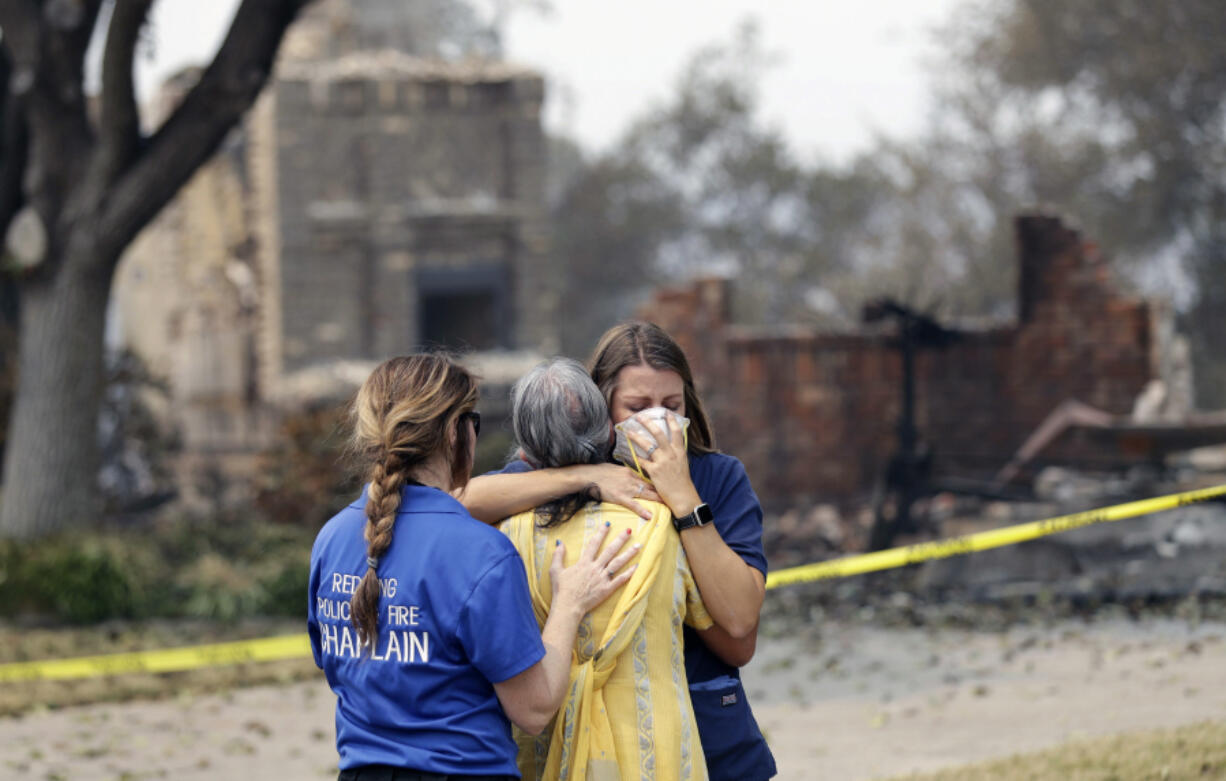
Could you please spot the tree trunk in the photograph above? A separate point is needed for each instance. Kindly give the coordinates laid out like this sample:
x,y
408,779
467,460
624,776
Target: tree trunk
x,y
94,185
51,458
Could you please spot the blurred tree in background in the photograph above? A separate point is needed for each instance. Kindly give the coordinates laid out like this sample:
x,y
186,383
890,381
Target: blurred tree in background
x,y
609,220
1117,111
699,185
1112,113
86,181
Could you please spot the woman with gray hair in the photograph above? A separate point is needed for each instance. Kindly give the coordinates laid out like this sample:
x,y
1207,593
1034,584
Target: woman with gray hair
x,y
627,674
560,418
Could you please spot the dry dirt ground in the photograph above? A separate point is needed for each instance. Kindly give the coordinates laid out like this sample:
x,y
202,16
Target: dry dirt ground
x,y
852,702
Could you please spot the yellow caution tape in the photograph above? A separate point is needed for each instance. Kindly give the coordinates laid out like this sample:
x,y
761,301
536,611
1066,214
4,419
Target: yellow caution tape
x,y
267,649
270,649
994,538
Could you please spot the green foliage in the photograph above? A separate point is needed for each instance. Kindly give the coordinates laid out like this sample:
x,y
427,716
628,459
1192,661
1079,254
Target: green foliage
x,y
285,587
13,589
220,589
86,584
79,581
225,569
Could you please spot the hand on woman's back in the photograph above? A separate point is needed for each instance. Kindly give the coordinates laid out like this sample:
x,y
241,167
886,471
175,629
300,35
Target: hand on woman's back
x,y
595,576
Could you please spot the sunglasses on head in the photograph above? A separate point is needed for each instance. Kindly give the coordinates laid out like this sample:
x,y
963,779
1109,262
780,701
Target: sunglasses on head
x,y
475,417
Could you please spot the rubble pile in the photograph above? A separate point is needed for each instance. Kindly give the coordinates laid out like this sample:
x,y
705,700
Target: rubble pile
x,y
1160,557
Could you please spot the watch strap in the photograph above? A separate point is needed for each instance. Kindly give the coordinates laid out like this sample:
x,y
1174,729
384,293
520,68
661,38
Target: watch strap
x,y
700,516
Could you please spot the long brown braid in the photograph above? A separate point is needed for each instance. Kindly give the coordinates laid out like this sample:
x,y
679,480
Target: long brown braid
x,y
402,417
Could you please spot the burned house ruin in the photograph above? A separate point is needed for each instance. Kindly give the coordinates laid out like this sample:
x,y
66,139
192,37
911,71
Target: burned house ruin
x,y
814,415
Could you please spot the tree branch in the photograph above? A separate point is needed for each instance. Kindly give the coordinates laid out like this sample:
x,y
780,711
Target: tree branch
x,y
46,42
73,19
192,134
19,21
119,117
14,148
60,31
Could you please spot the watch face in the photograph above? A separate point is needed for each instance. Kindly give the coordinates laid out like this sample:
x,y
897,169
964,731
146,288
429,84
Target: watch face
x,y
704,514
701,516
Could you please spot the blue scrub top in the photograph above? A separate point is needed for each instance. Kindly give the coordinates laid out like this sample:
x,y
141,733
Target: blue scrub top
x,y
722,483
731,740
455,617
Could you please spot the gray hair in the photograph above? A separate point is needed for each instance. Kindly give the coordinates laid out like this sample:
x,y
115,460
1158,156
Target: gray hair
x,y
559,415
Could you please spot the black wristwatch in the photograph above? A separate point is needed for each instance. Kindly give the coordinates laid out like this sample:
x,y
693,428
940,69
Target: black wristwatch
x,y
701,516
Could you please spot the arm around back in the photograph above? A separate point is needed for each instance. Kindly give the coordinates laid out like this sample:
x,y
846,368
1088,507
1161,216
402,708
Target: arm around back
x,y
732,590
494,497
532,697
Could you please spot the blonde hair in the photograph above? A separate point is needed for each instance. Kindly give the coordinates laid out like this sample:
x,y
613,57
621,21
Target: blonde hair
x,y
402,417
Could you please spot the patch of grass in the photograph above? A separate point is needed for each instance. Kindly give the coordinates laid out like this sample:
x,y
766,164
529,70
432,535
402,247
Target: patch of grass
x,y
1196,751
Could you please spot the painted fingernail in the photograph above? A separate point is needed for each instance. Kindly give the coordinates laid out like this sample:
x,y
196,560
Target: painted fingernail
x,y
556,543
607,523
627,531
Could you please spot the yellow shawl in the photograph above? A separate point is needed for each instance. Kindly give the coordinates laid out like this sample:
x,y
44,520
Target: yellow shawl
x,y
582,741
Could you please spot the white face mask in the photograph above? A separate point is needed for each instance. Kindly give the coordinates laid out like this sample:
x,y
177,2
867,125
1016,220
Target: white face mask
x,y
630,454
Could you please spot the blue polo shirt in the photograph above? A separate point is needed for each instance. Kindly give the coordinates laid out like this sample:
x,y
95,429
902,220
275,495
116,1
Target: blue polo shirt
x,y
455,617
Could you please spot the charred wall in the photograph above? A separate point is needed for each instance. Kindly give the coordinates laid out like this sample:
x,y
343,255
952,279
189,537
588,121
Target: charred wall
x,y
814,416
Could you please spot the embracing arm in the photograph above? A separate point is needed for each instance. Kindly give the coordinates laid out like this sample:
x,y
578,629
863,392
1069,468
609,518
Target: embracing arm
x,y
730,650
495,497
732,590
532,697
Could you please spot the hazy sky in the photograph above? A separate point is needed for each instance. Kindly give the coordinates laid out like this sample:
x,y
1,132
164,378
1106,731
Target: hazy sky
x,y
844,70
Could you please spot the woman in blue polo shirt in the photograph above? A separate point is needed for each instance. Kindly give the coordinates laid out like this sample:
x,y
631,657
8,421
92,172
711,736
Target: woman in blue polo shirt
x,y
419,614
638,366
